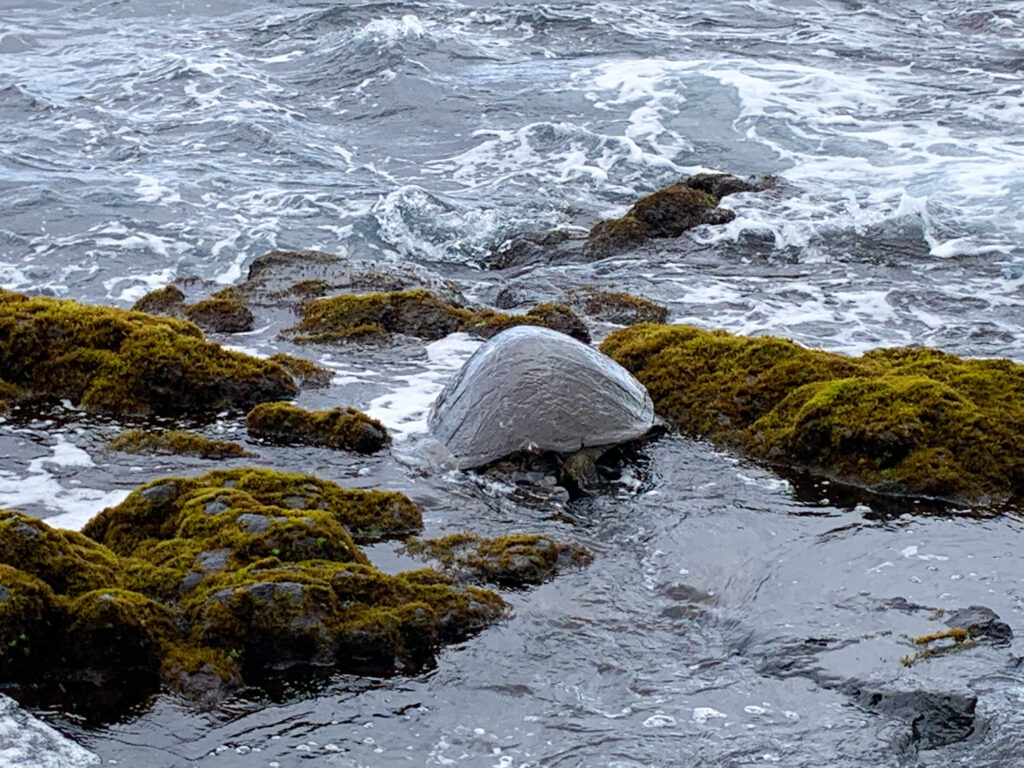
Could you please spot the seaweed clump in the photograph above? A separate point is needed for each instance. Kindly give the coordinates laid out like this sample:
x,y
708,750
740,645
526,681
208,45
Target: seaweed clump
x,y
125,361
420,313
178,442
911,421
341,428
207,584
512,561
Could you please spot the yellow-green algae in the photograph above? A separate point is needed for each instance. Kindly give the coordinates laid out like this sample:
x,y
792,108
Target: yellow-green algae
x,y
126,361
418,313
176,442
340,428
205,584
907,421
618,307
305,372
168,300
512,560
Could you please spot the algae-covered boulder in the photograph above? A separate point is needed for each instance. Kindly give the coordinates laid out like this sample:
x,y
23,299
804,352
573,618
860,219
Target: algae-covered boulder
x,y
169,300
905,421
223,312
207,584
666,213
125,361
618,307
514,560
305,372
177,442
419,313
341,428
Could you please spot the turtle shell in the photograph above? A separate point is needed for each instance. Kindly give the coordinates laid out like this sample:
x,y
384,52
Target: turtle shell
x,y
534,389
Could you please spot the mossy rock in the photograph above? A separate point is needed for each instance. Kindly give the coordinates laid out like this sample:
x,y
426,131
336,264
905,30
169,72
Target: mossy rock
x,y
515,560
29,621
169,300
340,428
125,361
419,313
305,372
67,561
910,421
666,213
156,511
223,312
618,307
176,442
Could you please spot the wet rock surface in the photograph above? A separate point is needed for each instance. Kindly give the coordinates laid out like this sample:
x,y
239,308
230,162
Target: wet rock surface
x,y
340,428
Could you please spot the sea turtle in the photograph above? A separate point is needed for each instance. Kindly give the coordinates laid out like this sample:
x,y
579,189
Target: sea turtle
x,y
530,389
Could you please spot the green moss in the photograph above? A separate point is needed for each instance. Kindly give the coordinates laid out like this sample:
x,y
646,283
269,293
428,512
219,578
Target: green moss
x,y
176,442
67,561
904,421
422,314
126,361
28,622
666,213
514,560
305,372
340,428
223,312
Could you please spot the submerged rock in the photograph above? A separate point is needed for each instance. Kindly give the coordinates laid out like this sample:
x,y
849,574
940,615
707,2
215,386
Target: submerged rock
x,y
515,560
126,361
617,307
531,389
341,428
418,313
176,442
911,421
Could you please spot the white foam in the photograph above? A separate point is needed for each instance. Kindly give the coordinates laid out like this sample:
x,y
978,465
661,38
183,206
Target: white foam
x,y
404,410
27,742
41,486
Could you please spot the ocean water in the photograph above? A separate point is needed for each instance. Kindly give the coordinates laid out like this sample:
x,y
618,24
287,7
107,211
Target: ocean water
x,y
729,614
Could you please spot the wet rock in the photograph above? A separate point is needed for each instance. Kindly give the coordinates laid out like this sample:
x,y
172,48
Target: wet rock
x,y
340,428
666,213
617,307
305,372
720,185
422,314
981,624
912,421
169,300
128,362
223,312
516,560
176,442
935,719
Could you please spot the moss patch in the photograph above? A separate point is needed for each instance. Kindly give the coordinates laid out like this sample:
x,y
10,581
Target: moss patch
x,y
341,428
904,421
168,300
418,313
514,560
177,442
126,361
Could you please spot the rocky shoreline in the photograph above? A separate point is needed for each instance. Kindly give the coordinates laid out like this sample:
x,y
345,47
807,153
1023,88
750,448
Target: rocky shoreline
x,y
207,585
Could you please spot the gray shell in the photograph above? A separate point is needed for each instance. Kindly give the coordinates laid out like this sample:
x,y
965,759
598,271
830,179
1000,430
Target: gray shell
x,y
531,388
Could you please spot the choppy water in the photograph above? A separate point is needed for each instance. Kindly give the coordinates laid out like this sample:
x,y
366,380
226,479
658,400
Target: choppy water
x,y
141,141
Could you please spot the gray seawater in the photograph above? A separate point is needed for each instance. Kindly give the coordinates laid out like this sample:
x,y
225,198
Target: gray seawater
x,y
730,618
